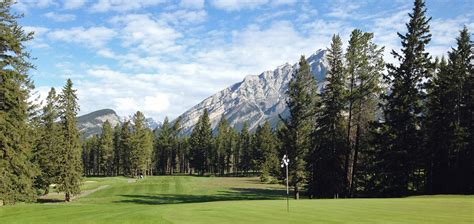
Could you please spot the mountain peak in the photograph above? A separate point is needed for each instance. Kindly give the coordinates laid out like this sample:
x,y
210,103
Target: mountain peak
x,y
256,99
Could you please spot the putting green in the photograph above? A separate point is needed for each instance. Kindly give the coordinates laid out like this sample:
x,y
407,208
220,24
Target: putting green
x,y
186,199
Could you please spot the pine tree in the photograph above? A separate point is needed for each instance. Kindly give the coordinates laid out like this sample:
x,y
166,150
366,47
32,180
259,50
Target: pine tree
x,y
16,169
70,170
267,154
299,125
221,145
106,147
163,147
327,158
141,147
450,165
245,149
118,151
231,149
462,68
176,145
403,109
364,66
50,143
201,143
437,131
126,148
89,153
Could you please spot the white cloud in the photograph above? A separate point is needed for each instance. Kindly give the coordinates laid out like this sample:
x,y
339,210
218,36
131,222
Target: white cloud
x,y
73,4
284,2
157,38
183,17
125,93
273,15
192,4
123,5
444,33
385,30
235,5
38,30
91,37
343,9
107,53
24,5
60,17
157,103
446,30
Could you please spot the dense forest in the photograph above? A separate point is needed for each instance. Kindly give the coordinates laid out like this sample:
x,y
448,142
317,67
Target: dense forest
x,y
375,129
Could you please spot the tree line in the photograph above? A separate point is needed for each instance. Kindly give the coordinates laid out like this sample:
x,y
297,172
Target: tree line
x,y
131,149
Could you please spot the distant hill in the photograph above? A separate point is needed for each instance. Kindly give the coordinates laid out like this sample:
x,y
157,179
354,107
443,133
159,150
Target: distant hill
x,y
91,124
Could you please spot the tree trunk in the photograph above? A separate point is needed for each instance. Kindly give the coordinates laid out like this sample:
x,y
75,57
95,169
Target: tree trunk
x,y
349,124
68,197
297,193
354,161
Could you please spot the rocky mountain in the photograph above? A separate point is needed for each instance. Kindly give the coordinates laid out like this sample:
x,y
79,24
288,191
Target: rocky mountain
x,y
151,124
255,99
91,124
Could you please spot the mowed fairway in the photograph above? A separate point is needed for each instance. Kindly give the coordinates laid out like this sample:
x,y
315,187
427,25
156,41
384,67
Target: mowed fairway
x,y
186,199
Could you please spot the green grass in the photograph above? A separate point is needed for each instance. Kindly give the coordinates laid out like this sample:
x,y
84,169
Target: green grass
x,y
186,199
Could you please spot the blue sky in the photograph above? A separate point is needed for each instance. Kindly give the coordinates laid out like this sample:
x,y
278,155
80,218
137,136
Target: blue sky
x,y
162,57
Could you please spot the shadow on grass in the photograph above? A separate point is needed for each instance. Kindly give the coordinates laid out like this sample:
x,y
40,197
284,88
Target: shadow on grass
x,y
234,194
48,200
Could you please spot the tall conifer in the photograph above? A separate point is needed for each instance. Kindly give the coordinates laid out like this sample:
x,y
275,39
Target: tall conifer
x,y
403,109
299,125
70,170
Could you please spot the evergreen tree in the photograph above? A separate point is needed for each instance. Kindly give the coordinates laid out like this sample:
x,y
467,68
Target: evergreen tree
x,y
50,143
184,155
70,170
164,145
201,143
438,130
299,125
266,154
221,145
403,109
141,147
106,147
118,151
176,145
231,149
16,169
465,66
125,145
450,166
245,149
90,151
364,67
327,158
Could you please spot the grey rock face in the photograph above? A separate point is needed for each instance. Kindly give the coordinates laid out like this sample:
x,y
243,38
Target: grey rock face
x,y
255,99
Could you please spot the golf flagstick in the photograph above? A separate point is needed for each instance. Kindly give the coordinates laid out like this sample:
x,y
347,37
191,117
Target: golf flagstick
x,y
284,162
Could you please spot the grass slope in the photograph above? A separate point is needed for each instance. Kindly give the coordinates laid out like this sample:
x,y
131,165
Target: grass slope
x,y
185,199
